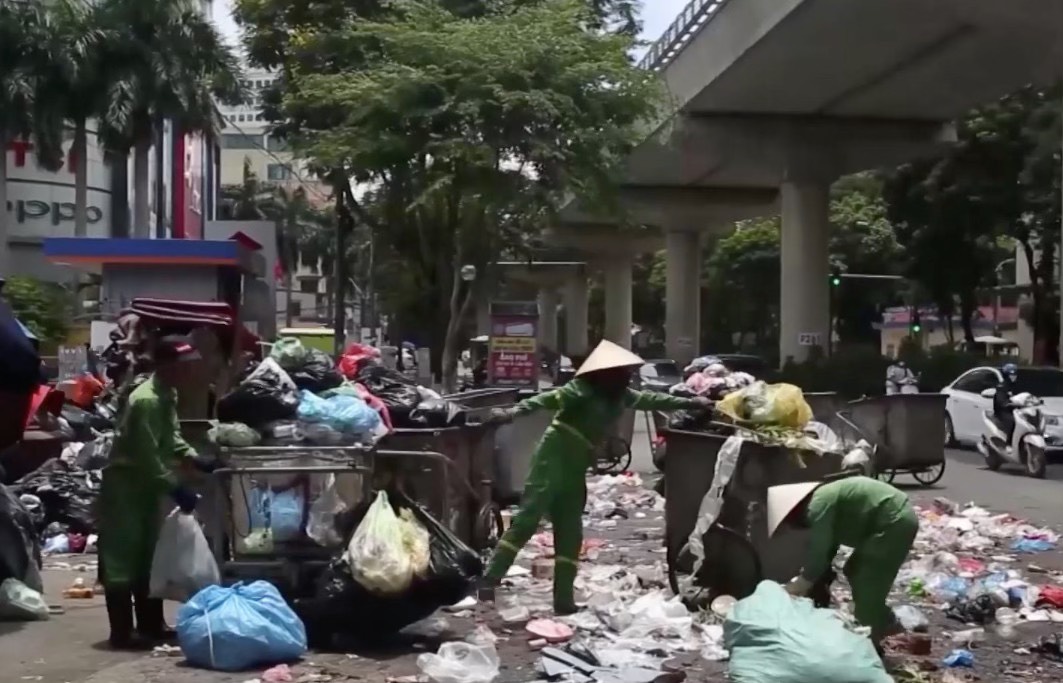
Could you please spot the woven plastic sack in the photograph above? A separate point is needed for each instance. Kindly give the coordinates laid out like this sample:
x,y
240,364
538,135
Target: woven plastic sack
x,y
760,403
377,553
239,627
773,637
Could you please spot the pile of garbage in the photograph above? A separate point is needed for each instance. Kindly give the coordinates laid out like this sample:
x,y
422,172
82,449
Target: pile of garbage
x,y
298,395
707,376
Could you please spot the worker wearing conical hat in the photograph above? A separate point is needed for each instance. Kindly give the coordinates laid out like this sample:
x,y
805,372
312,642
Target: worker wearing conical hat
x,y
586,408
870,516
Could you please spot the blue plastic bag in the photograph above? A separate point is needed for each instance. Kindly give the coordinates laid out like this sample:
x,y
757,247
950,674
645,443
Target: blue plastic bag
x,y
348,414
773,637
286,514
239,627
1032,545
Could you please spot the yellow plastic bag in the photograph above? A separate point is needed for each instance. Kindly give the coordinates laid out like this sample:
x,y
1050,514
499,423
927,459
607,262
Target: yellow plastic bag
x,y
760,403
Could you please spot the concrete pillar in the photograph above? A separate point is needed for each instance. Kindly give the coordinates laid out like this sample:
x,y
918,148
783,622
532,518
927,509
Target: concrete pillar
x,y
576,304
804,299
548,318
682,314
483,317
617,271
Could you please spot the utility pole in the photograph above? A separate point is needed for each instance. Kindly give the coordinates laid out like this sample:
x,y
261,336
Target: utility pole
x,y
1059,262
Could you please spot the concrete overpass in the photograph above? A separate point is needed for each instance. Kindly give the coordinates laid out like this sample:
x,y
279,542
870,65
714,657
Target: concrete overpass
x,y
775,99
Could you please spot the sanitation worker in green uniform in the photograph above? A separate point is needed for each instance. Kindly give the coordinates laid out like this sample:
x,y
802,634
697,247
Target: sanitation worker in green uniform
x,y
142,472
870,516
586,408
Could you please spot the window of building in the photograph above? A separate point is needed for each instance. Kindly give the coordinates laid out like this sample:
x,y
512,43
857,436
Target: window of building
x,y
240,141
278,172
308,286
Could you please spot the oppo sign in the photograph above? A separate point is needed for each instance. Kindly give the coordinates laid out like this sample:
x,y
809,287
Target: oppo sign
x,y
41,203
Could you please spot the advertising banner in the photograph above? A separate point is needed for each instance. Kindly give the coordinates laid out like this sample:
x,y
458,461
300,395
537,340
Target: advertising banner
x,y
513,359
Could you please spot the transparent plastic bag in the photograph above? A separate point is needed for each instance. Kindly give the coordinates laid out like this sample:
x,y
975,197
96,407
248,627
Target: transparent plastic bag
x,y
321,523
377,554
19,602
415,540
183,564
289,353
459,662
234,434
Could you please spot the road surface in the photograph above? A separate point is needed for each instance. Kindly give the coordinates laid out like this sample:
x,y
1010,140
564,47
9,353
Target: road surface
x,y
966,480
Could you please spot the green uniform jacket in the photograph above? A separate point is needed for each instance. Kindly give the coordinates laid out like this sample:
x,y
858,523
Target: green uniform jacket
x,y
147,447
849,512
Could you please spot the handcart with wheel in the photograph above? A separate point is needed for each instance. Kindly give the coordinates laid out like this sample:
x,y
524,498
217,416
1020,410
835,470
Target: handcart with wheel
x,y
269,515
738,551
451,472
907,432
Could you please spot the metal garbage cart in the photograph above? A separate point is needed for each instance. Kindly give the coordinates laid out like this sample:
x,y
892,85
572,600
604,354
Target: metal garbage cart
x,y
264,524
459,458
906,430
515,444
478,403
825,406
737,548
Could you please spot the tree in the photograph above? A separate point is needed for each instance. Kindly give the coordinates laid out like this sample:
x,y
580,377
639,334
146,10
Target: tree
x,y
471,132
169,64
43,307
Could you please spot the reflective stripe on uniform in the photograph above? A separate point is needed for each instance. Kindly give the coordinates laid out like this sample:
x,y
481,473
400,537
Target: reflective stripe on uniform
x,y
566,560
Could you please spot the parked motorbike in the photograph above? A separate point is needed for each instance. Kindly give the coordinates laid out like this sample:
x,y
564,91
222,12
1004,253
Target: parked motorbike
x,y
1027,444
908,385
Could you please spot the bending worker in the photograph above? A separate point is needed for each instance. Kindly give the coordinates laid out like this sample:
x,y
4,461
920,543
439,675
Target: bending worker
x,y
870,516
587,407
142,472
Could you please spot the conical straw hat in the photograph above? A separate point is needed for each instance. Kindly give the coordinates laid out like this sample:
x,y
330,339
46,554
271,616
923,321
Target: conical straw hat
x,y
783,499
607,356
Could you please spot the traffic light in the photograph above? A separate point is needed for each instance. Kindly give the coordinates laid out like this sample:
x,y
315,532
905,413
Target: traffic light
x,y
835,277
917,326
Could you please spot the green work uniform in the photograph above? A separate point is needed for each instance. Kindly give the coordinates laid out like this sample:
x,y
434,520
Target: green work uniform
x,y
147,447
556,487
878,522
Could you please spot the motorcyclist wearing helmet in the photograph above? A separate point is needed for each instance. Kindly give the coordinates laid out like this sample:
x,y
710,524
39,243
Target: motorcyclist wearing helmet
x,y
896,375
1003,411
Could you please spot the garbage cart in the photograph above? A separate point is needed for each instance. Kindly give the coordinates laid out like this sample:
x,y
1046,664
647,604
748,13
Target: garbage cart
x,y
451,472
825,406
273,510
906,430
737,548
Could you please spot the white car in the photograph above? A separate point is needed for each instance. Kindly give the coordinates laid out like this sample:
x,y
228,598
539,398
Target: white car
x,y
965,405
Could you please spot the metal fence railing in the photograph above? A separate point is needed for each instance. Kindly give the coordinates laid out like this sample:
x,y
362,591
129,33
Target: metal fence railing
x,y
686,26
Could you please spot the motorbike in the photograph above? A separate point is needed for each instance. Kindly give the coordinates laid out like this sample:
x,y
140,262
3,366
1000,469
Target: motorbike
x,y
1027,445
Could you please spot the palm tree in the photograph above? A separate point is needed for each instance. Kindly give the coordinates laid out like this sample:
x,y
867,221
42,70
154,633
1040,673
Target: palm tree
x,y
171,63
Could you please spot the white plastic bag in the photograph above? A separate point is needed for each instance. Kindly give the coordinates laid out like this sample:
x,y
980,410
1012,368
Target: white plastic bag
x,y
377,554
415,540
321,522
183,564
459,662
19,602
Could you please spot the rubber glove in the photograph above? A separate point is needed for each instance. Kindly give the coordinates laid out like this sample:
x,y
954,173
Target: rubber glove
x,y
206,464
185,499
501,415
702,402
799,587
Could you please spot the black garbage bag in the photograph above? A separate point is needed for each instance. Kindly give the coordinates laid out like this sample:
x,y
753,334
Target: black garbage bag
x,y
980,610
20,548
317,374
435,413
342,606
83,422
67,494
266,395
397,392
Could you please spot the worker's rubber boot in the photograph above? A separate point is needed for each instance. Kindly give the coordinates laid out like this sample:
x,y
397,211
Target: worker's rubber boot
x,y
564,588
120,617
151,622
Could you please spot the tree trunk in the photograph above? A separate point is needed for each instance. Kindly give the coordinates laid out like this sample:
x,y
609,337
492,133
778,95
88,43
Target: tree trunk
x,y
967,309
5,216
141,205
339,283
81,179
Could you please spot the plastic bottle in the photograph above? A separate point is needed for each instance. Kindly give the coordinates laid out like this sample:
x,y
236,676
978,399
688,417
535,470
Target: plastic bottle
x,y
911,618
1007,619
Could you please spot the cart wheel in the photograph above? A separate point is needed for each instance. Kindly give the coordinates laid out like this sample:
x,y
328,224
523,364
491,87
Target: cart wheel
x,y
489,526
886,475
613,456
931,475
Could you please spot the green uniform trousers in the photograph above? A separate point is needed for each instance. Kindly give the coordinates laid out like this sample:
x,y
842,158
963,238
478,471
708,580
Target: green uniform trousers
x,y
873,567
556,489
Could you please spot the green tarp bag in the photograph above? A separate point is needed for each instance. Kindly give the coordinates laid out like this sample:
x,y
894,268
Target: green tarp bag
x,y
774,638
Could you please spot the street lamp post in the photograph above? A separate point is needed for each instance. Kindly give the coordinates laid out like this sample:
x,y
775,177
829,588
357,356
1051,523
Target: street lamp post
x,y
996,295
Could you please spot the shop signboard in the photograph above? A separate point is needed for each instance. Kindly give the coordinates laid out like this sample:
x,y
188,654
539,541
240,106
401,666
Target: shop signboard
x,y
513,359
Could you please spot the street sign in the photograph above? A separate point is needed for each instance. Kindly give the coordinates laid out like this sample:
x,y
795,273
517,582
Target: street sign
x,y
808,339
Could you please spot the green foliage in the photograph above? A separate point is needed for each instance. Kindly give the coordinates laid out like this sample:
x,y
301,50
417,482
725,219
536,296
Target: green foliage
x,y
43,307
